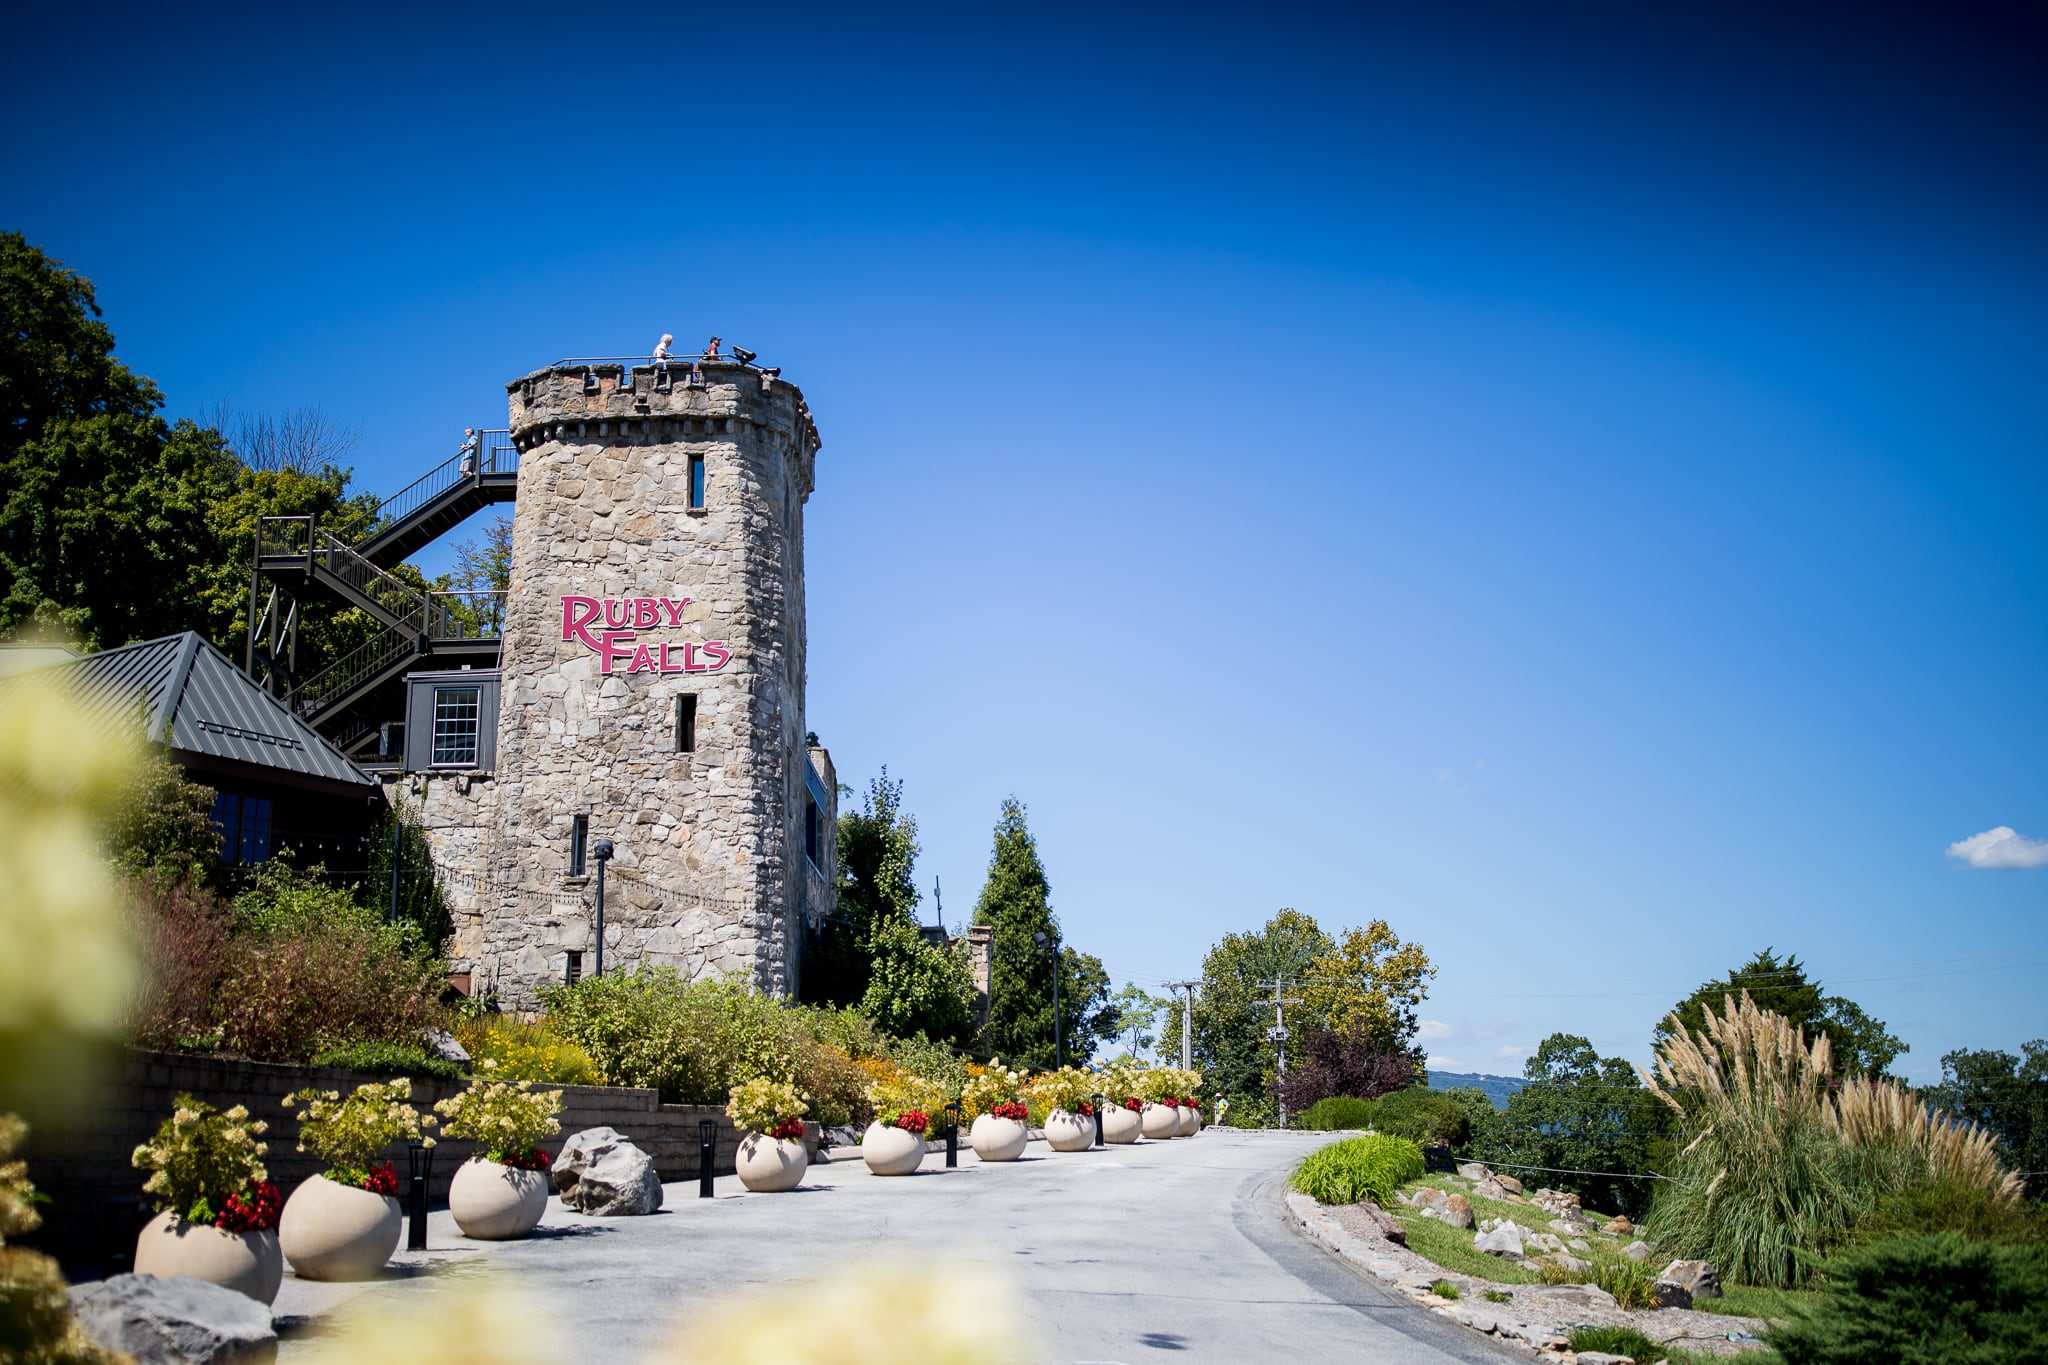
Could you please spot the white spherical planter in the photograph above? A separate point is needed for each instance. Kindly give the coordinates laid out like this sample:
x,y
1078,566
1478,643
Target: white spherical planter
x,y
891,1151
997,1139
1194,1119
335,1232
1188,1121
247,1262
769,1165
1160,1122
1119,1125
495,1203
1066,1132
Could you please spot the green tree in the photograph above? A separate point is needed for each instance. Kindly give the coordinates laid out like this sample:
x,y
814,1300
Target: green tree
x,y
1369,986
872,954
1861,1044
103,505
1586,1117
1016,901
401,840
1232,1012
165,827
2007,1096
1137,1016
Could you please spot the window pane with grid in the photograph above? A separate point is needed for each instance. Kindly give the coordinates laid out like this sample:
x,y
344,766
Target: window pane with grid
x,y
455,725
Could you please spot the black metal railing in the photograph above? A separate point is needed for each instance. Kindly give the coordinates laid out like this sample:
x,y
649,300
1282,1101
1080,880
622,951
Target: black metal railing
x,y
494,454
351,671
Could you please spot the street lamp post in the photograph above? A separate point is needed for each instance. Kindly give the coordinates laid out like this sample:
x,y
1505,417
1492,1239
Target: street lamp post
x,y
1059,1051
602,851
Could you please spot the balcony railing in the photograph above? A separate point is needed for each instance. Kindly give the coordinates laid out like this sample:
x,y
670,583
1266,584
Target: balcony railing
x,y
494,454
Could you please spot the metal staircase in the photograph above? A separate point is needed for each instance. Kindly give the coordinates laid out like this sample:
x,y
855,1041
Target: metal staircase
x,y
417,626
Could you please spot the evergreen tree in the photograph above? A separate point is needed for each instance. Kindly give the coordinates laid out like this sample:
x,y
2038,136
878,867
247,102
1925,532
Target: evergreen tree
x,y
1016,901
1861,1044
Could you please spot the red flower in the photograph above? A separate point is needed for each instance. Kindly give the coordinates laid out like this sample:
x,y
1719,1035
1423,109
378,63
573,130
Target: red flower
x,y
1087,1110
911,1121
1010,1111
252,1210
1134,1105
532,1159
383,1180
789,1130
1170,1102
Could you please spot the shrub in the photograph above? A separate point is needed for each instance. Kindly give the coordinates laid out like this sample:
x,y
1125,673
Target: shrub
x,y
182,932
1776,1166
764,1106
389,1059
837,1086
1347,1171
348,1132
1421,1115
1337,1112
692,1041
987,1087
1618,1341
1923,1300
1934,1205
1329,1063
522,1051
201,1157
164,823
506,1119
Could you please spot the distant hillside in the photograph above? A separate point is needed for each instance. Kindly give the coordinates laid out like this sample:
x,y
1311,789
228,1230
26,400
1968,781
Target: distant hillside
x,y
1497,1088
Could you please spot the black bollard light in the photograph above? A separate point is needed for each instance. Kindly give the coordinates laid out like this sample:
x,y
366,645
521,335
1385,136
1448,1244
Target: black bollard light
x,y
707,1150
1098,1119
953,1133
419,1165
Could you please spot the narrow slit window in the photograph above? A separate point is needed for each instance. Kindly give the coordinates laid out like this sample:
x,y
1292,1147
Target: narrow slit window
x,y
686,723
696,483
572,970
579,835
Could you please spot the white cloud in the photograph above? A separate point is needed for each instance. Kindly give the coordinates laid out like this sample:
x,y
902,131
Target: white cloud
x,y
1511,1052
1433,1029
1444,1064
2003,847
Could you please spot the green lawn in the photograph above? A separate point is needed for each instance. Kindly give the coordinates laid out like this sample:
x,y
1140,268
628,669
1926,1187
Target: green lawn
x,y
1754,1301
1451,1248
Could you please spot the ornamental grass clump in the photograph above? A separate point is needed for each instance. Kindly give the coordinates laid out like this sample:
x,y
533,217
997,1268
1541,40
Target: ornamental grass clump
x,y
206,1166
1775,1166
505,1119
776,1108
1370,1167
347,1132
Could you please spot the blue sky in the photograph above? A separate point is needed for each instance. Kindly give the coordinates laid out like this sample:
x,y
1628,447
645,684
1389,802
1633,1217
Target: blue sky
x,y
1570,482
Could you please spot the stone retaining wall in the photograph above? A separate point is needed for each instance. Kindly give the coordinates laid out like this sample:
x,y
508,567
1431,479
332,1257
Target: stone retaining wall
x,y
84,1164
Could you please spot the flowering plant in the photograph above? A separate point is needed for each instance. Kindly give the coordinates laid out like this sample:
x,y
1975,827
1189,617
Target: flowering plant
x,y
1012,1110
202,1161
255,1210
532,1159
1134,1104
1085,1110
348,1133
1171,1102
765,1106
911,1121
1067,1088
988,1087
902,1094
506,1119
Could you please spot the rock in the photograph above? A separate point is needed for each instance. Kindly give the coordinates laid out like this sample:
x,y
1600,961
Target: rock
x,y
1457,1211
1505,1240
1509,1183
839,1137
1489,1188
1579,1244
441,1043
180,1319
1619,1225
1390,1228
1472,1170
1637,1251
601,1172
1697,1278
1670,1295
1431,1200
1569,1263
1542,1241
1603,1358
1579,1298
1563,1227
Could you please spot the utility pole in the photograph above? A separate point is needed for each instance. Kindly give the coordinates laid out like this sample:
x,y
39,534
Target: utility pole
x,y
1278,1033
1187,1012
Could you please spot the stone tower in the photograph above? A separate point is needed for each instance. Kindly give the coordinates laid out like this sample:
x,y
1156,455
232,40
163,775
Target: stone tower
x,y
653,681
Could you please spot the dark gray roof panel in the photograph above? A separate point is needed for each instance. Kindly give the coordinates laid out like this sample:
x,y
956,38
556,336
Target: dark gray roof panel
x,y
201,703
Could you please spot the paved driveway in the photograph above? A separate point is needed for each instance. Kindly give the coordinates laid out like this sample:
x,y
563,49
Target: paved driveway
x,y
1169,1252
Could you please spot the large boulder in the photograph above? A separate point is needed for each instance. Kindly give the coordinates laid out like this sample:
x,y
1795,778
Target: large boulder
x,y
1502,1239
601,1172
1472,1170
1508,1183
1619,1225
1389,1227
1637,1250
1489,1188
1457,1211
1684,1281
175,1321
1431,1200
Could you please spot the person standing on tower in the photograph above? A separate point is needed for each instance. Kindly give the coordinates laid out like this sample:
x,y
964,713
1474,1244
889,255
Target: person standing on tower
x,y
661,359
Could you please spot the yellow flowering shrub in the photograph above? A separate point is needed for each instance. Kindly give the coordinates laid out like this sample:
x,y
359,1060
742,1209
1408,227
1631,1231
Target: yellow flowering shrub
x,y
766,1106
902,1093
199,1156
505,1119
987,1087
525,1051
1068,1088
348,1132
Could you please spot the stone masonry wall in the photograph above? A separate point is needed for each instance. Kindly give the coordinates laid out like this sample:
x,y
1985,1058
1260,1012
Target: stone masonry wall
x,y
82,1163
707,875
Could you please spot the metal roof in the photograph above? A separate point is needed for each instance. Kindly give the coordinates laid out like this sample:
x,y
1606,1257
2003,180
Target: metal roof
x,y
193,699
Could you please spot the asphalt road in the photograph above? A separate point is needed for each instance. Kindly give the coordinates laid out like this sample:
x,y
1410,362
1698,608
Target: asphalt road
x,y
1177,1251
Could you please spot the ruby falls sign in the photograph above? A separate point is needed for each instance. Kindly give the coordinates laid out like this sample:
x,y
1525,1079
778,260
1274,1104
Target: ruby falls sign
x,y
611,627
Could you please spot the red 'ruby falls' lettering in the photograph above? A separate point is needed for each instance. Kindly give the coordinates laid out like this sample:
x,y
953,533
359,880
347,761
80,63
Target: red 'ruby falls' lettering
x,y
610,628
